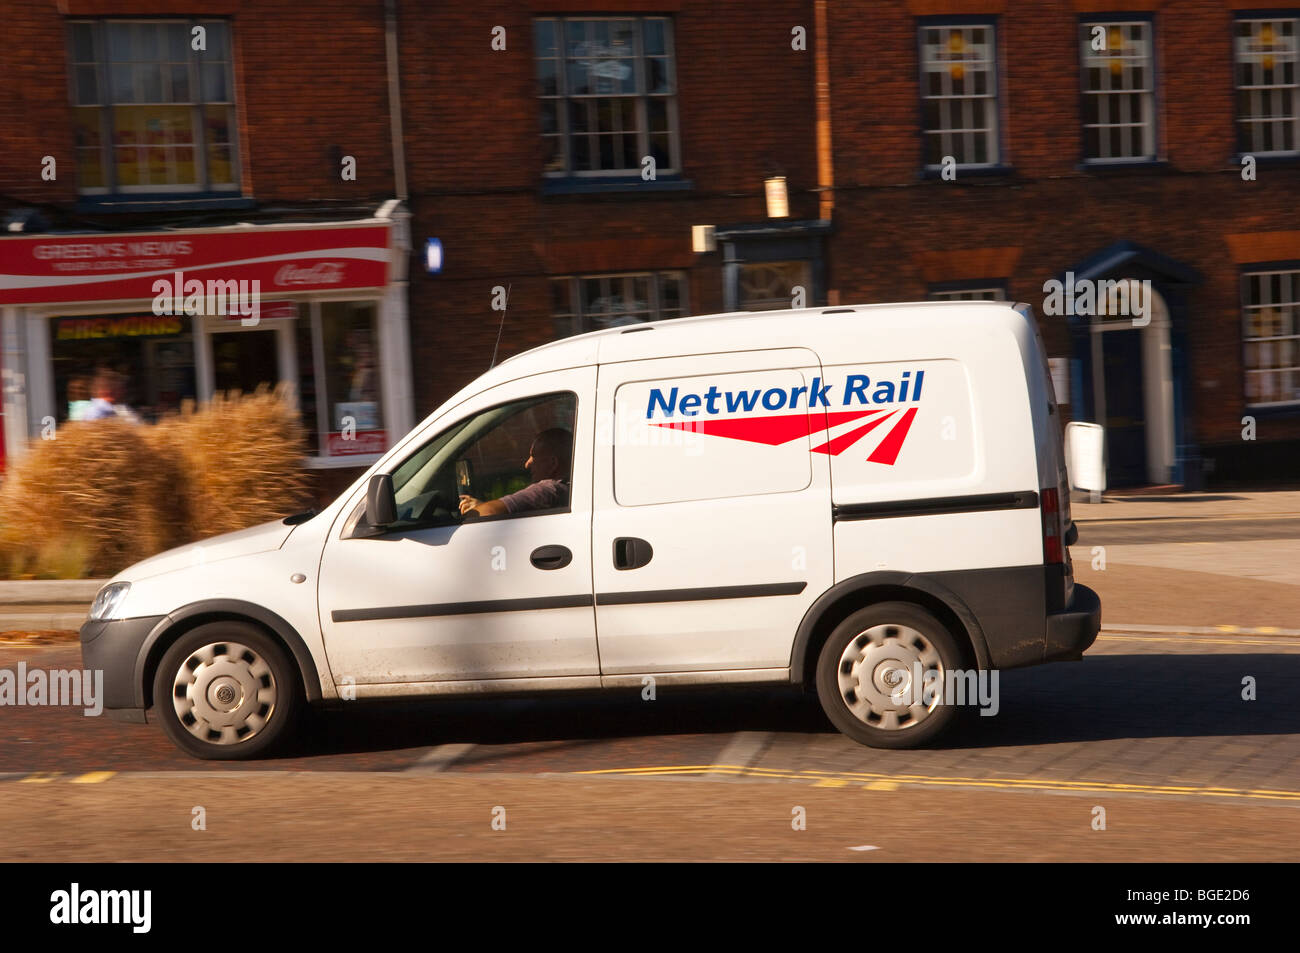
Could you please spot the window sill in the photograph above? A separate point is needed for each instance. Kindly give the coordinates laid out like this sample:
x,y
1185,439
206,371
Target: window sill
x,y
1275,159
935,173
1120,168
593,186
162,202
1275,411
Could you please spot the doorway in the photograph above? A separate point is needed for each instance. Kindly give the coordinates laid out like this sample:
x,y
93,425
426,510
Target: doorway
x,y
241,360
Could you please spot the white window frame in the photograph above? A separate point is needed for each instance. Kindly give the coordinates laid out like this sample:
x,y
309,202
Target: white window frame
x,y
575,320
563,98
105,104
1283,50
1288,304
941,59
1129,58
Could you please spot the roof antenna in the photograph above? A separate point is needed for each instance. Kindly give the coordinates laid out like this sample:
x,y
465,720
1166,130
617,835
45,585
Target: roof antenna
x,y
500,328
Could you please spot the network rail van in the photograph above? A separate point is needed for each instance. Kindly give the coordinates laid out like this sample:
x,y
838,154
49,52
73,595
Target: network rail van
x,y
860,500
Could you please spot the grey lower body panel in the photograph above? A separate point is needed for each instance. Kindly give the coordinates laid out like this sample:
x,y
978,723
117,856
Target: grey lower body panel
x,y
1072,631
1010,605
113,647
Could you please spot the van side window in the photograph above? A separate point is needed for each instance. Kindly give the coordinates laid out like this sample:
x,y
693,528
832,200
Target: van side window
x,y
486,458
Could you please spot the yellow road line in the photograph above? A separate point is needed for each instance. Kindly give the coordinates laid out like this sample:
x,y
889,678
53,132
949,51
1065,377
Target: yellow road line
x,y
884,782
1201,640
93,777
41,777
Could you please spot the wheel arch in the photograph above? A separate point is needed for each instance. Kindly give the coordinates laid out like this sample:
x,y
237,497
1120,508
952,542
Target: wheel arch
x,y
857,592
189,617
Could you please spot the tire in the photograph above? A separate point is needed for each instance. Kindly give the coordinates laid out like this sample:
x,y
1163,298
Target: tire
x,y
227,691
877,644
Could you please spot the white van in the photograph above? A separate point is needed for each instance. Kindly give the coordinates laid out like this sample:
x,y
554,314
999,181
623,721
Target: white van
x,y
854,499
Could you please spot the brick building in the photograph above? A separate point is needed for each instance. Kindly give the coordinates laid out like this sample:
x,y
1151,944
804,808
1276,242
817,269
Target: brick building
x,y
594,163
225,140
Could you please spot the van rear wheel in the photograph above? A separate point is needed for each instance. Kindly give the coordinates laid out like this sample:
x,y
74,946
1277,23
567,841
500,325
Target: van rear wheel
x,y
226,691
881,673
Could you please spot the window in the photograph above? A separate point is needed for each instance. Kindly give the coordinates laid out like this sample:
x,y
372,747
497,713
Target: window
x,y
770,285
339,389
484,457
608,93
959,95
1118,92
593,302
1266,86
151,113
984,292
1271,335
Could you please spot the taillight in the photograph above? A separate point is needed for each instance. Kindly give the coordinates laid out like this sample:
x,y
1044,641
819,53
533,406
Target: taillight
x,y
1053,544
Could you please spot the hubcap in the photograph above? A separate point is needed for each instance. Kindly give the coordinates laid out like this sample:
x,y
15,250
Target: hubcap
x,y
224,693
878,677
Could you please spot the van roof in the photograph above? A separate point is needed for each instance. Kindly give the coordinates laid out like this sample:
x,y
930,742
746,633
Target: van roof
x,y
710,332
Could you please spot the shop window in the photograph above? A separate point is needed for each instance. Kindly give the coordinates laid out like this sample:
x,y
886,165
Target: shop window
x,y
146,362
150,112
594,302
608,95
772,285
959,94
339,389
1118,92
1267,112
1271,336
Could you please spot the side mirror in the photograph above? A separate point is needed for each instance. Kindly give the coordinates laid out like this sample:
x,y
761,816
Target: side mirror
x,y
381,505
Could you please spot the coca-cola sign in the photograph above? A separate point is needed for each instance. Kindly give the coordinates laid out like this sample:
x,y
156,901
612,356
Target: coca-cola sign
x,y
321,273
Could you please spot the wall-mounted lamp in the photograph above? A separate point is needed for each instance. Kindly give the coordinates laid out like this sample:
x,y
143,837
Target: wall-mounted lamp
x,y
433,255
703,239
778,203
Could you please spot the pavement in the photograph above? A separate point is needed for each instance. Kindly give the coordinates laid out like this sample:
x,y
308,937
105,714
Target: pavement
x,y
1153,506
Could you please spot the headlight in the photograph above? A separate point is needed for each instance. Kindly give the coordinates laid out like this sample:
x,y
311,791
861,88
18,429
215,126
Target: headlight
x,y
108,601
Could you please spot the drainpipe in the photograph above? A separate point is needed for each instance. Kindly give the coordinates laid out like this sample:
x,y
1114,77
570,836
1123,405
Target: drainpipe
x,y
825,163
395,332
395,100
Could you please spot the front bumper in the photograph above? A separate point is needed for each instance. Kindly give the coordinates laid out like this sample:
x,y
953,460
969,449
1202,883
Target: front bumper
x,y
1072,631
115,647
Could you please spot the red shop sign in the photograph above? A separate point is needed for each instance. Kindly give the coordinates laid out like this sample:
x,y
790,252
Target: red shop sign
x,y
63,269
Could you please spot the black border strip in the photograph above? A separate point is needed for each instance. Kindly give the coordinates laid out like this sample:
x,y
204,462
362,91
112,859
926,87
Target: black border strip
x,y
697,595
460,608
568,602
979,503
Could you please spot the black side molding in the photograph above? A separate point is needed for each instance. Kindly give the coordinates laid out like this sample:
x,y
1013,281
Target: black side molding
x,y
460,608
696,595
978,503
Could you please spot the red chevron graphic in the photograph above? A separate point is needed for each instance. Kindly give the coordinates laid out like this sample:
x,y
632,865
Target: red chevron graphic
x,y
769,430
783,428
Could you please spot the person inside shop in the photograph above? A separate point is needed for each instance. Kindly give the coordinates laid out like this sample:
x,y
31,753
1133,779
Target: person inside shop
x,y
78,397
548,465
107,392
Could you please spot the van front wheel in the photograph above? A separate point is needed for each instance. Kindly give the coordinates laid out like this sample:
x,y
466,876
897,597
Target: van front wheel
x,y
226,691
882,673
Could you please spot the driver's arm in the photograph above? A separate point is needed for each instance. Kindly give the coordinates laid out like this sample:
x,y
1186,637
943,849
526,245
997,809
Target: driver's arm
x,y
471,508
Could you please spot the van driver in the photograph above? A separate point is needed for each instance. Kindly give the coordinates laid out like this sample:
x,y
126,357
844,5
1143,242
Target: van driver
x,y
547,465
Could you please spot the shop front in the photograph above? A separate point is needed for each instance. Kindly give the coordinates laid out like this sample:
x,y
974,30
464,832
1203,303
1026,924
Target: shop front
x,y
321,308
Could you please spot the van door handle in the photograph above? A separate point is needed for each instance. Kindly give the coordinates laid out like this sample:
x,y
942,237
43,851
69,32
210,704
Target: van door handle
x,y
551,557
631,553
